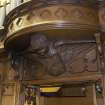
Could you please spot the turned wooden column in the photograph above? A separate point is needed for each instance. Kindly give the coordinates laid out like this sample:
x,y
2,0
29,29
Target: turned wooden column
x,y
94,95
1,94
13,4
8,6
38,96
3,12
18,2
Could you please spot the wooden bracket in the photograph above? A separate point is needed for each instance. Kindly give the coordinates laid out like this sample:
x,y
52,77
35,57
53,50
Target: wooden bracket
x,y
100,50
98,42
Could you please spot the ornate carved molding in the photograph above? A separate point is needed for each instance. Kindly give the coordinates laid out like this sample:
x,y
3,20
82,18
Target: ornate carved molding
x,y
52,16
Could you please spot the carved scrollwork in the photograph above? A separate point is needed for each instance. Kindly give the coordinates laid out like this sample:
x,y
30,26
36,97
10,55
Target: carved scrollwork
x,y
67,60
55,66
45,13
61,13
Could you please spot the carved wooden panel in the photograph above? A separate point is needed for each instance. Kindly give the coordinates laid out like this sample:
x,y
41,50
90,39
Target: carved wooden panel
x,y
69,60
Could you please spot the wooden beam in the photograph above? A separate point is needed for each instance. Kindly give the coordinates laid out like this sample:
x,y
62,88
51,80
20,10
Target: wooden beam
x,y
71,79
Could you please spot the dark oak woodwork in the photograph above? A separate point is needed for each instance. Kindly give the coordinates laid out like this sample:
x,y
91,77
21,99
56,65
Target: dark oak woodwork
x,y
56,39
56,42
